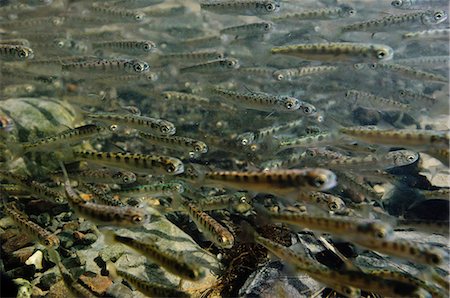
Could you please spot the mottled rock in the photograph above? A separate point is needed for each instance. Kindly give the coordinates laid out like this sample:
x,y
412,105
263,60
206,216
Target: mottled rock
x,y
44,219
96,283
59,290
112,252
271,281
24,253
25,289
26,271
47,280
120,290
16,242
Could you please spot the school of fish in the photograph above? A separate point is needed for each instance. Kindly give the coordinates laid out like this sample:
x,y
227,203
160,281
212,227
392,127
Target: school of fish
x,y
237,115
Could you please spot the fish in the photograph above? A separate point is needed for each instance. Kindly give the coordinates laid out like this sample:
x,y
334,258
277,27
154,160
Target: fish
x,y
118,13
328,13
36,231
441,34
104,175
154,190
428,18
409,72
172,262
212,66
417,4
108,66
210,227
127,46
176,143
138,163
360,97
15,52
264,102
242,7
146,287
411,138
345,227
142,123
294,73
103,214
337,51
252,29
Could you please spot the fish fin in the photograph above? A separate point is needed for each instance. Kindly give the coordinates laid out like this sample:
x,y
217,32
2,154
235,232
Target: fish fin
x,y
246,232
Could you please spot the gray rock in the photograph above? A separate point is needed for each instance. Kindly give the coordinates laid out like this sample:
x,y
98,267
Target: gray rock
x,y
47,280
112,252
44,219
271,280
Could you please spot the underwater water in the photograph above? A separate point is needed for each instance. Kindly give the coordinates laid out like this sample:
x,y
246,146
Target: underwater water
x,y
249,148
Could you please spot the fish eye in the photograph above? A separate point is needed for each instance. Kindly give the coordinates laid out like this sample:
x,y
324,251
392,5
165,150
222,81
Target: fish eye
x,y
438,15
396,3
139,17
138,67
333,206
164,129
411,158
289,105
166,96
319,181
381,54
280,77
270,7
352,11
147,46
137,218
436,259
231,63
307,110
380,234
47,242
243,200
402,93
125,179
373,66
113,127
198,148
170,168
23,54
267,26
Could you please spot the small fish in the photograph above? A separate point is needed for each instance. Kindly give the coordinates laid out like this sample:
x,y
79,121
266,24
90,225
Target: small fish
x,y
33,187
346,227
328,13
148,288
294,73
391,159
126,46
337,51
427,226
277,182
66,138
247,30
35,230
416,252
117,13
410,72
412,138
100,176
427,18
242,7
238,200
113,66
138,163
103,214
213,66
212,229
173,262
194,147
15,41
154,190
248,138
361,97
142,123
441,34
15,52
426,61
324,200
418,4
313,140
192,55
264,101
100,196
417,98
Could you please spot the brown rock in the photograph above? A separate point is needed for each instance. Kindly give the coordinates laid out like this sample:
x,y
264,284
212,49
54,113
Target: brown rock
x,y
8,234
15,243
24,253
78,235
59,290
71,226
96,283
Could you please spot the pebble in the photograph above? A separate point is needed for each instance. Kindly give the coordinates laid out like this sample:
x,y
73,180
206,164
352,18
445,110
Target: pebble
x,y
36,260
96,283
25,288
47,280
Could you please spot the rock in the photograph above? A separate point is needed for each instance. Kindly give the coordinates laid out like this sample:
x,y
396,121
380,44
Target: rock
x,y
86,226
59,290
37,117
6,222
271,281
26,271
24,254
15,243
36,260
25,288
47,280
168,237
44,219
96,283
89,238
112,252
66,239
120,290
